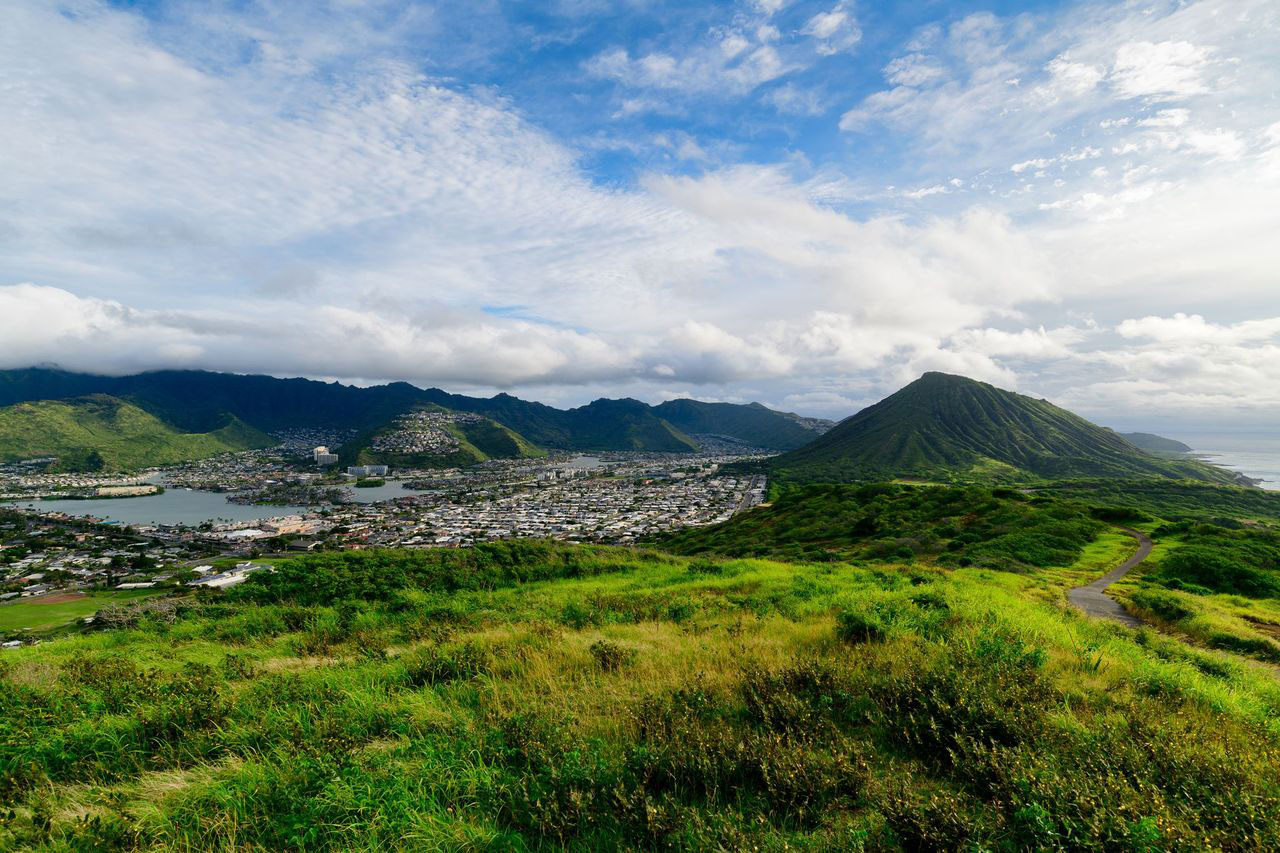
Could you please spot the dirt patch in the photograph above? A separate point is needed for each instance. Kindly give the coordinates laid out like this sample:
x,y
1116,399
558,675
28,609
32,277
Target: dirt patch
x,y
1270,628
56,598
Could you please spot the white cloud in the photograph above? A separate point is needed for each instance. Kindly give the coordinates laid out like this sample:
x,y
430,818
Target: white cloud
x,y
48,325
731,65
925,192
367,222
913,69
1070,79
1167,68
1194,328
790,99
1023,344
1167,118
834,30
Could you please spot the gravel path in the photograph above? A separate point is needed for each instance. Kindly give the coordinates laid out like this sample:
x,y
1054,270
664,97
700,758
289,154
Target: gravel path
x,y
1093,600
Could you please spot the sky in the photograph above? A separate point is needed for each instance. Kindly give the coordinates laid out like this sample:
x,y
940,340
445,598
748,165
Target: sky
x,y
802,203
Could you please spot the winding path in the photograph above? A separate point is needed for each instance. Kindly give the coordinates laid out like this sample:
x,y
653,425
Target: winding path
x,y
1092,598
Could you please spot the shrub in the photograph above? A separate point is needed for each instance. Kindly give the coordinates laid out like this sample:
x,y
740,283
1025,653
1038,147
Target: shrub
x,y
705,567
1166,606
611,657
447,662
860,626
1126,514
1220,570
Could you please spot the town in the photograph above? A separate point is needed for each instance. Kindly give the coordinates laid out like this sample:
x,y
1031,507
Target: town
x,y
53,546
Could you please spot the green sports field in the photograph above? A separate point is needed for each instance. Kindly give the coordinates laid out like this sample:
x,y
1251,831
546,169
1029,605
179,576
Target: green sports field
x,y
50,611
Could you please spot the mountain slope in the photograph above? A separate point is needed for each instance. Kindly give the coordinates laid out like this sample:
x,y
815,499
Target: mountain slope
x,y
751,424
944,427
103,433
199,401
454,440
599,425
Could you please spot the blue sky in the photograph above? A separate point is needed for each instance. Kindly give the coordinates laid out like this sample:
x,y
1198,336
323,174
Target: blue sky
x,y
802,203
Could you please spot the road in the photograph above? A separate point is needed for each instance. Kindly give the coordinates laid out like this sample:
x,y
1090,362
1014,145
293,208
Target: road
x,y
1092,598
757,482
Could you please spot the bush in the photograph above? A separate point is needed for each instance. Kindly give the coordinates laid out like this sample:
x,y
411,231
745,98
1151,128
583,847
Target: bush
x,y
611,657
860,626
1220,570
1125,514
1166,606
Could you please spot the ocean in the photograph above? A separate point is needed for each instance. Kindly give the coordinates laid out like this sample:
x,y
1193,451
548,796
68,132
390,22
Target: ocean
x,y
1253,454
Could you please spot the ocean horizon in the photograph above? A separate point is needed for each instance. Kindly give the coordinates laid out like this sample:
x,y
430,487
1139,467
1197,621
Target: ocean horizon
x,y
1256,455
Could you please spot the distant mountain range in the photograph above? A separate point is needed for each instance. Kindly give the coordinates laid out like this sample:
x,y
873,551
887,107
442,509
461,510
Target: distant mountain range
x,y
102,433
946,427
938,427
1155,443
194,402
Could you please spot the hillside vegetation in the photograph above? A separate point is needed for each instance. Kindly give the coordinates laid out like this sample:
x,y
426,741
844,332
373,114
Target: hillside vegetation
x,y
199,401
100,433
1173,500
753,424
944,427
528,695
952,526
476,442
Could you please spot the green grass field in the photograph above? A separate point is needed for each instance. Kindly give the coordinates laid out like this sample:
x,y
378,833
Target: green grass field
x,y
34,614
919,684
543,697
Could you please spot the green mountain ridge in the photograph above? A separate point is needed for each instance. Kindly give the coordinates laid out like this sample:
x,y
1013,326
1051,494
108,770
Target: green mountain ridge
x,y
602,424
102,433
946,427
198,401
752,424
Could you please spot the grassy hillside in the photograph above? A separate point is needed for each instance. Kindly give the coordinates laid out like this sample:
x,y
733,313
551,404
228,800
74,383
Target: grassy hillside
x,y
949,427
528,696
103,433
476,442
1175,501
751,424
964,526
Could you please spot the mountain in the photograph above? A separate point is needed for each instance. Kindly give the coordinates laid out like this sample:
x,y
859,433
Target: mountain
x,y
948,427
103,433
1155,443
432,437
752,424
600,425
199,401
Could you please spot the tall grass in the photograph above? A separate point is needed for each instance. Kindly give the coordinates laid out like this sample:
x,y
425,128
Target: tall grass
x,y
660,704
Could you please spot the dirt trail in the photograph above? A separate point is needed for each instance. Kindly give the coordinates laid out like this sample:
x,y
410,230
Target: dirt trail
x,y
1092,598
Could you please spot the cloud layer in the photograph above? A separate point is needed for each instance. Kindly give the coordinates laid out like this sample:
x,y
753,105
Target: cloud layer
x,y
1089,213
